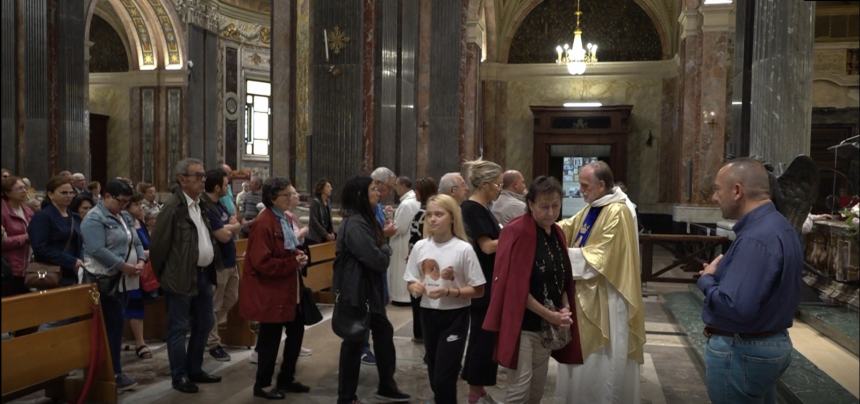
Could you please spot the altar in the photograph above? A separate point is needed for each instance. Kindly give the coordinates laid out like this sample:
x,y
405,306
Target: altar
x,y
832,255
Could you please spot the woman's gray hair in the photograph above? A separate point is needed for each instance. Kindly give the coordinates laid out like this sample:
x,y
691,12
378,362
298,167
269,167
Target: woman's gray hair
x,y
182,165
479,172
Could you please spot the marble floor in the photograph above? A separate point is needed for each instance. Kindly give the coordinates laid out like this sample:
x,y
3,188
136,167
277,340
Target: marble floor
x,y
671,372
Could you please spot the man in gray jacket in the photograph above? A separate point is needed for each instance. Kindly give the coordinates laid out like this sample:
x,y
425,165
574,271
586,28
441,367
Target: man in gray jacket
x,y
184,258
512,200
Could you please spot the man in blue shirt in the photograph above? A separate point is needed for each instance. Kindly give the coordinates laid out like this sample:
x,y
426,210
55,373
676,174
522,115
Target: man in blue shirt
x,y
224,227
752,292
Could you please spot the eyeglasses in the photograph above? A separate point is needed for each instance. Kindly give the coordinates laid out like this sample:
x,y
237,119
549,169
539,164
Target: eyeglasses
x,y
197,175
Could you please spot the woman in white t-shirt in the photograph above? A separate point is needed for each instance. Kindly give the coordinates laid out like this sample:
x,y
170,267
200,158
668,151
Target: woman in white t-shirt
x,y
444,269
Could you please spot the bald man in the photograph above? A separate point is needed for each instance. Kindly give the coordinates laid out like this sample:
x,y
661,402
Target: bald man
x,y
751,293
511,202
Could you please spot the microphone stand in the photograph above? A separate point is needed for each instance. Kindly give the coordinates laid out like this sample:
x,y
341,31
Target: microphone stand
x,y
835,148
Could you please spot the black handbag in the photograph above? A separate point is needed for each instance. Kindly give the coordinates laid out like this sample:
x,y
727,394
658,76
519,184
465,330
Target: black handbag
x,y
310,311
350,322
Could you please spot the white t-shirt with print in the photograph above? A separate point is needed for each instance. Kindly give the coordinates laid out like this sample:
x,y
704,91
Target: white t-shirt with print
x,y
428,262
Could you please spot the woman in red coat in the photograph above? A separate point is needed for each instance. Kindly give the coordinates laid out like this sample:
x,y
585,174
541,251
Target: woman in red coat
x,y
16,242
269,290
532,288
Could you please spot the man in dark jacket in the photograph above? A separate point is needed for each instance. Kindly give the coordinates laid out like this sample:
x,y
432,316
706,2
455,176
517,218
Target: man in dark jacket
x,y
184,257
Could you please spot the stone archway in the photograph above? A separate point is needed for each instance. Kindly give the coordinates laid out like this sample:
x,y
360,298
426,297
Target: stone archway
x,y
155,36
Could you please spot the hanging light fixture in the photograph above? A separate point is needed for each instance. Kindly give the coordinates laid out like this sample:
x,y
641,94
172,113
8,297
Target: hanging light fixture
x,y
576,57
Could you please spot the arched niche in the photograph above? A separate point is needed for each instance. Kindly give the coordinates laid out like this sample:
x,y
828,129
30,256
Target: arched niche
x,y
621,28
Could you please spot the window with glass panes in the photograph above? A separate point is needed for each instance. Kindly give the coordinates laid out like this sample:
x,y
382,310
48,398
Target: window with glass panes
x,y
257,111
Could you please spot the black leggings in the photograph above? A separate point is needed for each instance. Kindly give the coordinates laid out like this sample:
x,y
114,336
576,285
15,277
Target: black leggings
x,y
444,340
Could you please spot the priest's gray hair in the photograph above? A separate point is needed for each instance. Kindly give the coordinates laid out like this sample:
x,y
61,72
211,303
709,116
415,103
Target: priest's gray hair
x,y
448,182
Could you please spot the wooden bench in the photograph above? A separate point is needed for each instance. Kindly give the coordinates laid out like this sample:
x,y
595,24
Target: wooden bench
x,y
321,270
43,359
237,331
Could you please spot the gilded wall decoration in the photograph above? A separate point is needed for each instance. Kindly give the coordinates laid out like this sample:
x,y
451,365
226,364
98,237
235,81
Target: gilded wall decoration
x,y
245,33
148,58
108,54
203,13
256,58
620,27
169,33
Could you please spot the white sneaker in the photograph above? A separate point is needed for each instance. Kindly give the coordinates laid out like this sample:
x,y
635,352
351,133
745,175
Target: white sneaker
x,y
254,357
306,352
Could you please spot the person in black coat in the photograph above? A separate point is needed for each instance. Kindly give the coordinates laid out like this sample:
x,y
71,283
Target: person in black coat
x,y
360,264
55,232
321,229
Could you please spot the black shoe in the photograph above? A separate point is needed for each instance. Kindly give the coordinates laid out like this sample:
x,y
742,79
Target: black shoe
x,y
185,385
204,377
273,394
219,354
392,396
294,387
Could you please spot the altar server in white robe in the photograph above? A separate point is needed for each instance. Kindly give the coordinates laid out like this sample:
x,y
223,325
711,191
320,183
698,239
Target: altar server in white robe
x,y
399,242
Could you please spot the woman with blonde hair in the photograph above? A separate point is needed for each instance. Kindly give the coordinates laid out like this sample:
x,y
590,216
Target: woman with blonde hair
x,y
444,269
485,180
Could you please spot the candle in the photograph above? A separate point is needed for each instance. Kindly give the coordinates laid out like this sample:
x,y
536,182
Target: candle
x,y
325,44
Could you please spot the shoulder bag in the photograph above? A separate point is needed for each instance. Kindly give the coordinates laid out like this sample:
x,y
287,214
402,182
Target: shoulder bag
x,y
352,323
46,276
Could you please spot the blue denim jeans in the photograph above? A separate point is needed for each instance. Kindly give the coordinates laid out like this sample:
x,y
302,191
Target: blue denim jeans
x,y
184,313
112,308
745,370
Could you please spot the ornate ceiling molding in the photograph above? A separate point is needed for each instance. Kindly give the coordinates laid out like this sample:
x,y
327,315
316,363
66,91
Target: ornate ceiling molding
x,y
203,13
147,58
245,32
510,72
172,52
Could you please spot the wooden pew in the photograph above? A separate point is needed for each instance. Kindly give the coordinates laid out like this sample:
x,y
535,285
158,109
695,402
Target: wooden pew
x,y
237,331
43,359
320,271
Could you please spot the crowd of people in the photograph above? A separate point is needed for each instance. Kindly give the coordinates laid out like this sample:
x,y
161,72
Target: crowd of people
x,y
493,278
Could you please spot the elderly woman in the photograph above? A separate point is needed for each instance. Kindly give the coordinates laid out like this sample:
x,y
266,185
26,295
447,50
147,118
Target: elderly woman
x,y
269,291
16,243
485,177
321,229
533,290
359,272
55,231
115,257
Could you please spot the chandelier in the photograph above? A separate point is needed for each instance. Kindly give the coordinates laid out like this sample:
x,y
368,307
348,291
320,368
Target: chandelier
x,y
576,57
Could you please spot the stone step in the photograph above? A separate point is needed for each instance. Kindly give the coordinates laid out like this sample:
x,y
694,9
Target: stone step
x,y
840,324
803,382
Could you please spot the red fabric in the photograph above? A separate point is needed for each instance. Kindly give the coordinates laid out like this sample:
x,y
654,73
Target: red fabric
x,y
268,290
148,280
16,245
512,271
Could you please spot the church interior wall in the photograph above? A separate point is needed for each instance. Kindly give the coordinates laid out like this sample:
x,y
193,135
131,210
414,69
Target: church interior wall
x,y
645,94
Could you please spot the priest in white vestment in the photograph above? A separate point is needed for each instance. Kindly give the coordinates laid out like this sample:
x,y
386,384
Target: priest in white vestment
x,y
604,254
399,242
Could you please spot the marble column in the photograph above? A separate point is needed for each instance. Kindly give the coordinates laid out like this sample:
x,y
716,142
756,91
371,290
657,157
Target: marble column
x,y
282,67
715,73
689,107
470,45
368,46
423,88
8,96
781,93
494,102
